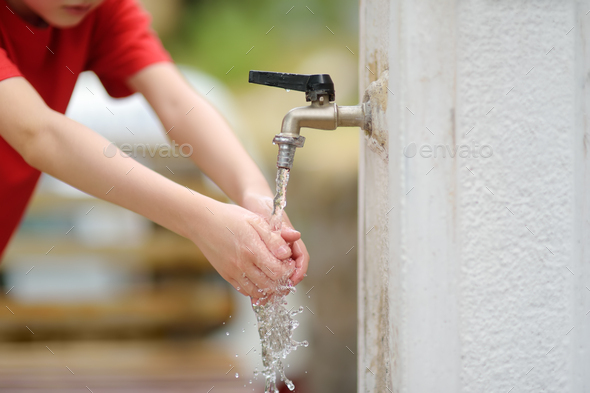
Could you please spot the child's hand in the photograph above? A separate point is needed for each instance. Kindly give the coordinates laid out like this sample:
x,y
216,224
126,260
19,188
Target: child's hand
x,y
240,245
262,205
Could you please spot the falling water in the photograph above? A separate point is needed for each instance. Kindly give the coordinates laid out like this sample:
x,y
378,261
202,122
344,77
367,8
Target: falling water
x,y
275,322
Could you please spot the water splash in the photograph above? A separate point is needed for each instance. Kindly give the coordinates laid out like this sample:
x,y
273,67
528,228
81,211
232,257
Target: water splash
x,y
275,322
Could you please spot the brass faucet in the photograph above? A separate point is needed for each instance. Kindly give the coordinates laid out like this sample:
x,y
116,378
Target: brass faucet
x,y
321,114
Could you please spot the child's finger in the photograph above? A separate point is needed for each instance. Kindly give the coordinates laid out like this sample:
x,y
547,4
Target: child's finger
x,y
289,234
301,262
273,241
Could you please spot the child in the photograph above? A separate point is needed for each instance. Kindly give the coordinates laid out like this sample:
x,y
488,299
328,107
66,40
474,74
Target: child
x,y
44,45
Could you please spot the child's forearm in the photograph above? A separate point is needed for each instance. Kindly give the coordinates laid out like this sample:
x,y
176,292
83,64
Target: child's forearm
x,y
192,120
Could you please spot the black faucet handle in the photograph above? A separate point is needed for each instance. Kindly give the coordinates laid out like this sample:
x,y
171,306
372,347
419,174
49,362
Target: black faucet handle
x,y
313,85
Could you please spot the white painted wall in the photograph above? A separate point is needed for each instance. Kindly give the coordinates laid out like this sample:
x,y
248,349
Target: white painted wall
x,y
478,279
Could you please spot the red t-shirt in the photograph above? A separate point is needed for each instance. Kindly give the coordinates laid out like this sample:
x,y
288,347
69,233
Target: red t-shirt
x,y
115,41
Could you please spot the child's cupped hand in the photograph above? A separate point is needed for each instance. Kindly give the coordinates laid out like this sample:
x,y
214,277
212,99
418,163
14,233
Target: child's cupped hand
x,y
242,248
262,206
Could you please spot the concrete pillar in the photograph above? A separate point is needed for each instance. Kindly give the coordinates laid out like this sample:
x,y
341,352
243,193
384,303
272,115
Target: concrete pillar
x,y
474,210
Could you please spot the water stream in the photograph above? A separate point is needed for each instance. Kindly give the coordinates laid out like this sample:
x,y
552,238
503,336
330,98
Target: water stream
x,y
275,322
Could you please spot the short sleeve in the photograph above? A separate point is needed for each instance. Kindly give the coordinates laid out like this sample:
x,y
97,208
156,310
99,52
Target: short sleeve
x,y
7,68
123,43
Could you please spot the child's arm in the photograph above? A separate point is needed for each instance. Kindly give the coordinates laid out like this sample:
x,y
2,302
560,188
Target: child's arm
x,y
232,238
216,150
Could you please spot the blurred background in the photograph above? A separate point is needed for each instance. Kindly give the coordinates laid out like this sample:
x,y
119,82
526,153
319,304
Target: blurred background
x,y
95,297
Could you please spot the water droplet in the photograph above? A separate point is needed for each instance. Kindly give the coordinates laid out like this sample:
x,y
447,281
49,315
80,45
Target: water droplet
x,y
238,288
223,323
227,333
250,381
287,90
306,372
243,330
236,355
237,375
230,316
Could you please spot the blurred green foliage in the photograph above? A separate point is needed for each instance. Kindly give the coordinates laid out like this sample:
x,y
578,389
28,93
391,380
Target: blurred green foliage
x,y
215,36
